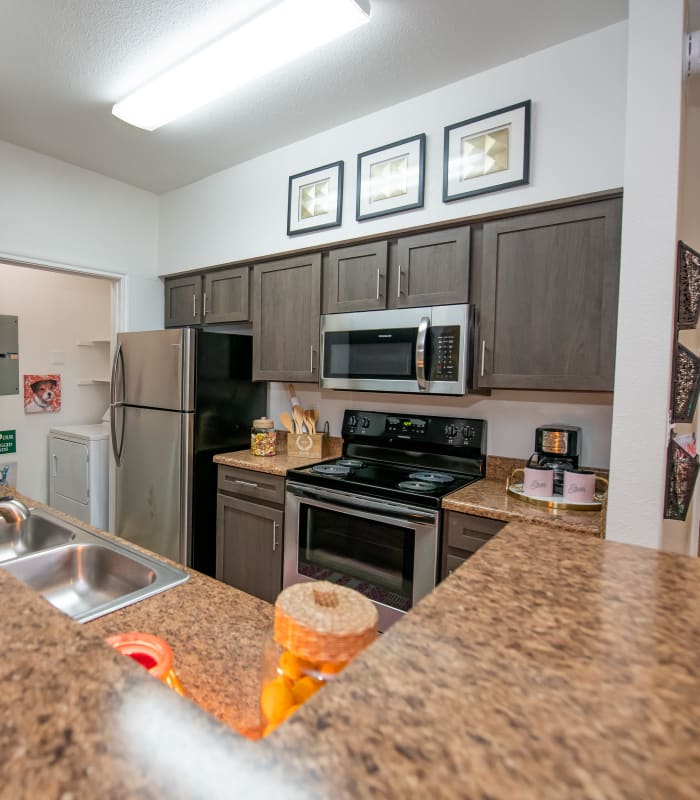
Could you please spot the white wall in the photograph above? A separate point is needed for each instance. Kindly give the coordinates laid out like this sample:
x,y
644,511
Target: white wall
x,y
647,287
56,310
578,94
52,212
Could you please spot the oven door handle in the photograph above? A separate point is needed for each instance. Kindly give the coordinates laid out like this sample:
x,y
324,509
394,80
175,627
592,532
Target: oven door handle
x,y
421,337
334,499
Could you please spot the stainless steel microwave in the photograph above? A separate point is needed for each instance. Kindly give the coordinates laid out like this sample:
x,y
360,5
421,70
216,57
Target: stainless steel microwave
x,y
419,350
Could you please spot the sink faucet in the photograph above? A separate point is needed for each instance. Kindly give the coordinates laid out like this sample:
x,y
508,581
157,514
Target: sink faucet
x,y
12,510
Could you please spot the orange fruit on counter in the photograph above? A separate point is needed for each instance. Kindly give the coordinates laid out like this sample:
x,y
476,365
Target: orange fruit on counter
x,y
304,688
332,667
276,698
294,667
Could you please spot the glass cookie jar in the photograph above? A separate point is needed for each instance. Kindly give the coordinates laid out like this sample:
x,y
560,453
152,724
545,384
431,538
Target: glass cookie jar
x,y
263,437
319,627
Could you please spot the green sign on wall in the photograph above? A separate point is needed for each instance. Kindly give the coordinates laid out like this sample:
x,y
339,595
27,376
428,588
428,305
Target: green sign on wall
x,y
8,442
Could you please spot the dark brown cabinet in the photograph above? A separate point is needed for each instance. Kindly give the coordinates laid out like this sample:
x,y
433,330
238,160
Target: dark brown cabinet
x,y
432,269
548,310
287,301
249,531
183,301
208,298
464,535
226,296
355,278
428,269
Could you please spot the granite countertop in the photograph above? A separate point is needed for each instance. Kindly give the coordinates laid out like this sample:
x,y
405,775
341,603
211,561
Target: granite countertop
x,y
546,666
278,464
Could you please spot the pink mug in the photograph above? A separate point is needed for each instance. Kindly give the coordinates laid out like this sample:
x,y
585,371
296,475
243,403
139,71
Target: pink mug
x,y
579,485
538,482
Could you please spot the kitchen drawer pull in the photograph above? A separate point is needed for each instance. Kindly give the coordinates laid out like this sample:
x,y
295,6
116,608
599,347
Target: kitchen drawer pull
x,y
246,483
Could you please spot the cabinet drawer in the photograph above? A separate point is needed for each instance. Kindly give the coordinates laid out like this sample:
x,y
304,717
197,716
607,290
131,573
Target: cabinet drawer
x,y
249,483
452,562
467,532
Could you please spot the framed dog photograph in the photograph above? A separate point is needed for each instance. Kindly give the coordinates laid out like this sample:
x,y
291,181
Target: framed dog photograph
x,y
42,394
487,153
315,199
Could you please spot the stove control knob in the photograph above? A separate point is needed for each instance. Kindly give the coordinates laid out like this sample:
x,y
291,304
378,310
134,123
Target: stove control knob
x,y
364,422
352,421
450,431
467,433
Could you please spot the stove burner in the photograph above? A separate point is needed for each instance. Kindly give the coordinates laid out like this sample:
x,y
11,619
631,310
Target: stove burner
x,y
417,486
353,463
331,469
431,477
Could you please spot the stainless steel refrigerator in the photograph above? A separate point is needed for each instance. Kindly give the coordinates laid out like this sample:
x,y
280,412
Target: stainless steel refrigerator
x,y
178,397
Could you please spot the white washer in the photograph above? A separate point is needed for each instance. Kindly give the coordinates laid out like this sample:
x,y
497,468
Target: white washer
x,y
79,472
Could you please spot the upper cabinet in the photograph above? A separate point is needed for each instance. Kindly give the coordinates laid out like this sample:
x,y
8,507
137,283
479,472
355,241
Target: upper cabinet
x,y
287,301
548,309
423,270
183,301
210,298
355,278
432,269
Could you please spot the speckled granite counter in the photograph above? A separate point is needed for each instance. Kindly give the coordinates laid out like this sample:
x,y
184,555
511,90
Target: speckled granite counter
x,y
279,464
568,669
488,498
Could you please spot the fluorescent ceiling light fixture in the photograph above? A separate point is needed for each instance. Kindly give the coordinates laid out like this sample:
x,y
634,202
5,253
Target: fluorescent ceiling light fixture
x,y
276,37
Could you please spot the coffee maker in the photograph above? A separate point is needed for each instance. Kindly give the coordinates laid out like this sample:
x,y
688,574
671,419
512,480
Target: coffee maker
x,y
557,447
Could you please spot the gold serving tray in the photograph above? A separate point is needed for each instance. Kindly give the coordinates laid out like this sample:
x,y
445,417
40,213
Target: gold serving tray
x,y
514,488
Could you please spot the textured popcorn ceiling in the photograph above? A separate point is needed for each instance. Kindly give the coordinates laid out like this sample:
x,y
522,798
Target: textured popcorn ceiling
x,y
64,63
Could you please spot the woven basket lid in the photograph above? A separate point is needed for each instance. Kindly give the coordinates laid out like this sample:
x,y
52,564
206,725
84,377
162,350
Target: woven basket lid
x,y
322,621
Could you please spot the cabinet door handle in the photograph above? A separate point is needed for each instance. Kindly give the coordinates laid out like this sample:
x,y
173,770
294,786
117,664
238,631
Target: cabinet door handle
x,y
379,275
312,359
246,483
204,306
274,536
55,464
194,306
398,288
483,353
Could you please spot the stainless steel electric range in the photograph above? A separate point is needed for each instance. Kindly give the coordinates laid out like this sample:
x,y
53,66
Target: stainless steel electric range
x,y
371,518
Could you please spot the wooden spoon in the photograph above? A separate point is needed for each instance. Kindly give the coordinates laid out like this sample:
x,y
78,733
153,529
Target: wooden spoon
x,y
309,422
298,414
286,421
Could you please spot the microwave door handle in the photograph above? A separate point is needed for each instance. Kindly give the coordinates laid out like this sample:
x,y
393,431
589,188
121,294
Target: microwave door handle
x,y
420,352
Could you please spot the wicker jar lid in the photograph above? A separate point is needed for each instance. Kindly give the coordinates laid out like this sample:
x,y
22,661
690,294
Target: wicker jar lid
x,y
322,621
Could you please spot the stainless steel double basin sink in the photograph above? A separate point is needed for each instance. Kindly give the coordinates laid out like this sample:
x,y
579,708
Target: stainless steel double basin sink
x,y
81,573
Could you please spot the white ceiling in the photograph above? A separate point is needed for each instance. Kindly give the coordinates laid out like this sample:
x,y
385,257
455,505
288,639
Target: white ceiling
x,y
64,63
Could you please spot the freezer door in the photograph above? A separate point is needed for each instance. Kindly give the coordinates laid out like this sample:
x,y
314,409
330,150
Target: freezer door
x,y
153,481
155,369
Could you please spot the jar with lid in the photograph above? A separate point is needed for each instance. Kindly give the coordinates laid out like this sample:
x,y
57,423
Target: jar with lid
x,y
319,627
263,437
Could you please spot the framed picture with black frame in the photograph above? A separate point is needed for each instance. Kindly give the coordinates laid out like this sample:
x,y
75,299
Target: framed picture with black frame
x,y
391,178
315,199
487,153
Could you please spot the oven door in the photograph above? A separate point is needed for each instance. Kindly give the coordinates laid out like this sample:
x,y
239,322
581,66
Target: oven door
x,y
386,550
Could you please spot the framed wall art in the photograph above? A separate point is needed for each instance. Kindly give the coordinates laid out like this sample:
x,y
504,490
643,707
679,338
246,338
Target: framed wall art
x,y
487,153
391,178
42,394
315,199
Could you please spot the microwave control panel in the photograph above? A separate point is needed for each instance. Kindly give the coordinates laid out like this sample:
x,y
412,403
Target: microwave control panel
x,y
444,347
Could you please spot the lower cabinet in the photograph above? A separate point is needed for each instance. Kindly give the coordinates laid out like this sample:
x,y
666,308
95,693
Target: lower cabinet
x,y
464,534
249,530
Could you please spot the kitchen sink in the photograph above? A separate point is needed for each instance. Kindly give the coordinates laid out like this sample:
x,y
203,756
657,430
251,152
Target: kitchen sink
x,y
81,573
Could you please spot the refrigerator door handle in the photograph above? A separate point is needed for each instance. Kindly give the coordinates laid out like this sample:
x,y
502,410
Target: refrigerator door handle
x,y
114,404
